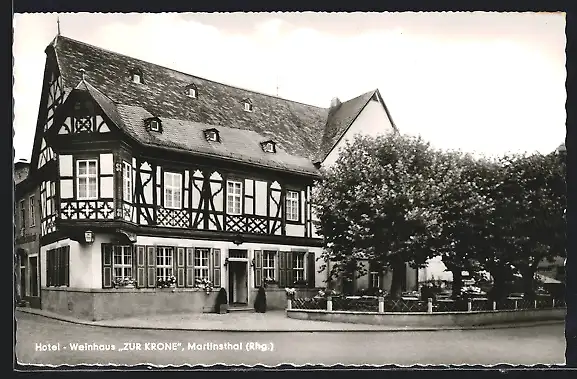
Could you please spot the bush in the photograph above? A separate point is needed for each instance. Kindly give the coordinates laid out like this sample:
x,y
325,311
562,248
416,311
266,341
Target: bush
x,y
260,301
222,297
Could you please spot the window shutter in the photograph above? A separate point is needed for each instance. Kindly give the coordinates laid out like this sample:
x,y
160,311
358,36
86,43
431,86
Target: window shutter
x,y
216,267
282,269
189,267
290,274
180,256
311,269
66,258
151,266
106,266
49,268
140,266
258,271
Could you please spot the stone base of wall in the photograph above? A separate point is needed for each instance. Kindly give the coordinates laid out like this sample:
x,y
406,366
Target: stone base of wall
x,y
441,319
276,297
96,304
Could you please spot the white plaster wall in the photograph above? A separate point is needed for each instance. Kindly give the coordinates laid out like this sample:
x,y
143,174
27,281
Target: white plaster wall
x,y
226,246
295,230
106,164
372,121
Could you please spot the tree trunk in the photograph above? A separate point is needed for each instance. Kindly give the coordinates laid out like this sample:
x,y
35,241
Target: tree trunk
x,y
499,289
399,274
528,276
457,282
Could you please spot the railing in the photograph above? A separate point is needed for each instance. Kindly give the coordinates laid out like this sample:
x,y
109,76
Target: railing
x,y
381,305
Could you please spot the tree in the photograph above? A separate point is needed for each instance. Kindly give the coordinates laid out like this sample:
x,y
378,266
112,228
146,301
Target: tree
x,y
378,203
536,198
466,209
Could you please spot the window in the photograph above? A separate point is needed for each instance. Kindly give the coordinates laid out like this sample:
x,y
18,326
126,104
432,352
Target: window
x,y
122,262
201,263
299,267
87,179
212,135
268,266
57,273
126,181
191,92
247,105
233,197
172,190
32,210
136,77
268,147
374,276
22,217
292,206
164,256
154,125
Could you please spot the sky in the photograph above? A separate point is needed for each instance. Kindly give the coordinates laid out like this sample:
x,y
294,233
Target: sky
x,y
485,83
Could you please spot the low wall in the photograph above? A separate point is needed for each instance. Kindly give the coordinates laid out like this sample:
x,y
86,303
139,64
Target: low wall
x,y
439,319
97,304
276,297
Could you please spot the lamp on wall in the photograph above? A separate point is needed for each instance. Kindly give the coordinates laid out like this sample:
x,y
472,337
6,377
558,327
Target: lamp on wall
x,y
252,263
226,262
238,240
89,236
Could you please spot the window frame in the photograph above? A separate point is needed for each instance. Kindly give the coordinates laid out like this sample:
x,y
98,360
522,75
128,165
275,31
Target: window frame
x,y
154,125
32,210
172,187
191,89
234,195
197,260
298,206
126,179
134,75
296,269
247,105
22,220
166,269
86,176
266,268
122,266
56,268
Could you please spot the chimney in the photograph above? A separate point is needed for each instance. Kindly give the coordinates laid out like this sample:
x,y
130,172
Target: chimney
x,y
335,102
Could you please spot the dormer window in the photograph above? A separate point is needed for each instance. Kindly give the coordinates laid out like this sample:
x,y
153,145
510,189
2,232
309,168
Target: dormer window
x,y
191,91
136,76
153,124
268,147
212,135
247,105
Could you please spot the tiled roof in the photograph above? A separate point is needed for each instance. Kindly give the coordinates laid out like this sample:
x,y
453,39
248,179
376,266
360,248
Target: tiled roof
x,y
302,132
339,119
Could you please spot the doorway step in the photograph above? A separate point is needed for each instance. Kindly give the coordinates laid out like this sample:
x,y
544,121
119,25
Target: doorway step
x,y
239,307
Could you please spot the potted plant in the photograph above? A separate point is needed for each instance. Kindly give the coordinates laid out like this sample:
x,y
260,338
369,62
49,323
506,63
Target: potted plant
x,y
123,283
260,301
204,284
270,282
222,302
169,282
290,293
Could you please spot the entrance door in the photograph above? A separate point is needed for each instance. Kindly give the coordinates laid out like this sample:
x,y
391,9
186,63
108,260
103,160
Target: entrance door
x,y
237,282
33,276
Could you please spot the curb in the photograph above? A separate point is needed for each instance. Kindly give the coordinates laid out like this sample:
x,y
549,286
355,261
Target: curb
x,y
364,330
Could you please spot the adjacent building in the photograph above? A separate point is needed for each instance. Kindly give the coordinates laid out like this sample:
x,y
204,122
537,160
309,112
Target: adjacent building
x,y
27,236
145,173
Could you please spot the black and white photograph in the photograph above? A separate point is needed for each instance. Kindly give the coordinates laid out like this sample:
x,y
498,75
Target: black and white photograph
x,y
260,189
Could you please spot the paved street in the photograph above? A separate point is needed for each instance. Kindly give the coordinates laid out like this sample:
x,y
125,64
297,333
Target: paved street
x,y
524,346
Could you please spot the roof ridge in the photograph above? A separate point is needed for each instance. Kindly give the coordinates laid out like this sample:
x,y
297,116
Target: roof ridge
x,y
185,73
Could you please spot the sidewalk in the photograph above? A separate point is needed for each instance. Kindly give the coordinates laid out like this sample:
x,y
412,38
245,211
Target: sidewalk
x,y
274,321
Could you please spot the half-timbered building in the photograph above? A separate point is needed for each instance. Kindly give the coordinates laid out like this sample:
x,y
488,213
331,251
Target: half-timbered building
x,y
147,173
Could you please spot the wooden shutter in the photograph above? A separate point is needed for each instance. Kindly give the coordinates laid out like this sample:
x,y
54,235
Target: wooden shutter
x,y
49,268
180,266
140,266
66,267
310,273
151,266
106,266
290,274
189,267
258,270
216,267
282,269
